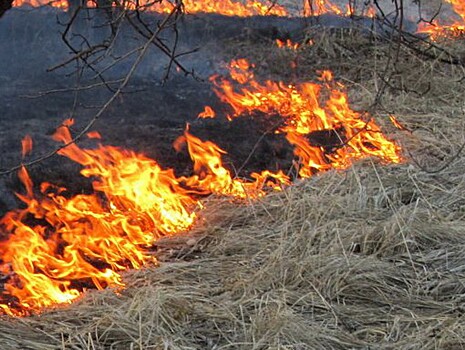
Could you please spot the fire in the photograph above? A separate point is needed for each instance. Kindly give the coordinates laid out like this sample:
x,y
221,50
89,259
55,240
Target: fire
x,y
293,46
320,7
207,113
211,176
454,29
288,44
396,123
326,133
26,144
224,7
52,261
61,4
53,245
59,245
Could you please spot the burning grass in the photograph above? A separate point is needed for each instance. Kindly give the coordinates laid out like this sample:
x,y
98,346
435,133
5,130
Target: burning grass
x,y
368,257
239,8
226,7
454,27
57,247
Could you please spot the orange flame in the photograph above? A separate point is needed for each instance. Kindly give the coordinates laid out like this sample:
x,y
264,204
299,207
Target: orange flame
x,y
47,261
320,7
310,125
26,145
213,177
459,7
224,7
288,44
94,135
60,245
135,202
438,29
207,113
61,4
396,123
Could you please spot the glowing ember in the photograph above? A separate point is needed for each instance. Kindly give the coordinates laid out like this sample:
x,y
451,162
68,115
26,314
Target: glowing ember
x,y
60,245
308,119
438,29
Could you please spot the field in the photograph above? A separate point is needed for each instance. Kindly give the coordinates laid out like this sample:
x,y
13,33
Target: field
x,y
371,257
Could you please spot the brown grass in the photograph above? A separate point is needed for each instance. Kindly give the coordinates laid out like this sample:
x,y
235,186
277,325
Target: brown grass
x,y
367,258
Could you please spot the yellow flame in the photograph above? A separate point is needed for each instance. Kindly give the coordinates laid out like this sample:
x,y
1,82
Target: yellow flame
x,y
60,245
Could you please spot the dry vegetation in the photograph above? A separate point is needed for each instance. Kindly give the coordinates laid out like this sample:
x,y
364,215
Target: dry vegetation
x,y
368,258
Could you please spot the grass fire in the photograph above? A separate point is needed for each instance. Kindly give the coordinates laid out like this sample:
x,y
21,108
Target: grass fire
x,y
242,174
55,257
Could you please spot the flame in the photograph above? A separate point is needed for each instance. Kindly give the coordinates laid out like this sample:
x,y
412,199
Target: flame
x,y
396,123
132,182
224,7
320,7
207,113
61,4
459,7
439,29
326,134
288,44
59,245
94,135
213,177
56,246
26,145
134,203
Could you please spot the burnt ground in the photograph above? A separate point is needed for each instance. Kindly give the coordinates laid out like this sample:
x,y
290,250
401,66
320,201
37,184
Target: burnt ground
x,y
146,118
150,114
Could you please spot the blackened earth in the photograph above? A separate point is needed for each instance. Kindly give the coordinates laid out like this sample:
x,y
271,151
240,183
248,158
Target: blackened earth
x,y
151,113
147,118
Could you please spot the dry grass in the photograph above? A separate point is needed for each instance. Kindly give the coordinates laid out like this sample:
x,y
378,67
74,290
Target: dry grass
x,y
368,258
